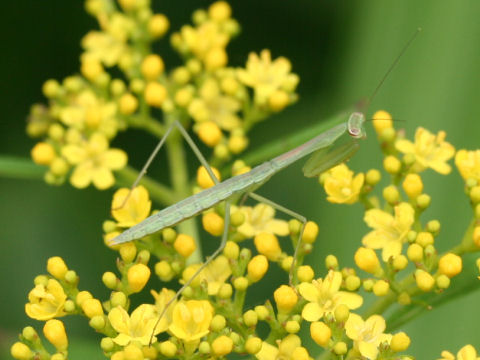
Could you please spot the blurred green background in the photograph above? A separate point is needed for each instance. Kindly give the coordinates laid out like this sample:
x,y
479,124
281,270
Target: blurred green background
x,y
340,49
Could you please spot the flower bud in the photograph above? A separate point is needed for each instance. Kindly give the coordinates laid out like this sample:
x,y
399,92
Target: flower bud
x,y
425,281
367,260
137,277
310,232
412,185
399,342
267,244
168,349
222,346
54,331
57,267
450,265
92,307
253,345
257,268
21,351
184,245
285,298
320,333
213,223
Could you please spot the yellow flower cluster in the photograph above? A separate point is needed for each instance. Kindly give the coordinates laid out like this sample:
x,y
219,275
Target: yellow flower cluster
x,y
86,111
210,317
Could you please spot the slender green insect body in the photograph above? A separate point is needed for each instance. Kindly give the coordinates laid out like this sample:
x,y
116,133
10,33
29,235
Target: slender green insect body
x,y
250,181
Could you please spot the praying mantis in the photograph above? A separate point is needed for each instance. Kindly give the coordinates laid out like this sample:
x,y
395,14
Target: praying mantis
x,y
323,158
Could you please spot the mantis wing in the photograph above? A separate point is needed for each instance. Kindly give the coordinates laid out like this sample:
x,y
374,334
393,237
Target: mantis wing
x,y
324,159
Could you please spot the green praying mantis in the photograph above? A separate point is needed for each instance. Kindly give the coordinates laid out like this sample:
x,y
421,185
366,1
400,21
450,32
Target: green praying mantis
x,y
325,156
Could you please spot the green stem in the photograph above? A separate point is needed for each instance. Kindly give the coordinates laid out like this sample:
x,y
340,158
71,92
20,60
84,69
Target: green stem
x,y
147,123
179,180
157,191
20,168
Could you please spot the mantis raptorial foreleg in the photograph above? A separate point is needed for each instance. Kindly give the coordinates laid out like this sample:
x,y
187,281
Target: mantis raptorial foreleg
x,y
155,151
291,213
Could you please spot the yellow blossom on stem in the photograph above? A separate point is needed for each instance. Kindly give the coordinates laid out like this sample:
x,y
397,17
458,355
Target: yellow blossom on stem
x,y
366,335
324,295
266,76
137,327
288,348
54,331
94,162
201,40
134,210
191,320
215,107
261,218
161,300
430,151
215,274
467,352
46,302
390,232
341,186
468,164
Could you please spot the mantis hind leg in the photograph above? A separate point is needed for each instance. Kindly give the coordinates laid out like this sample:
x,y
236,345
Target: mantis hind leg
x,y
301,218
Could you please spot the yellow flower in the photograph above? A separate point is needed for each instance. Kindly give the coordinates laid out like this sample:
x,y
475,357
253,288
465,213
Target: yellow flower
x,y
266,76
205,38
341,186
137,327
132,211
215,274
191,320
390,232
430,151
161,300
86,110
214,106
261,218
46,302
366,335
104,47
288,348
94,162
323,296
468,164
467,352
